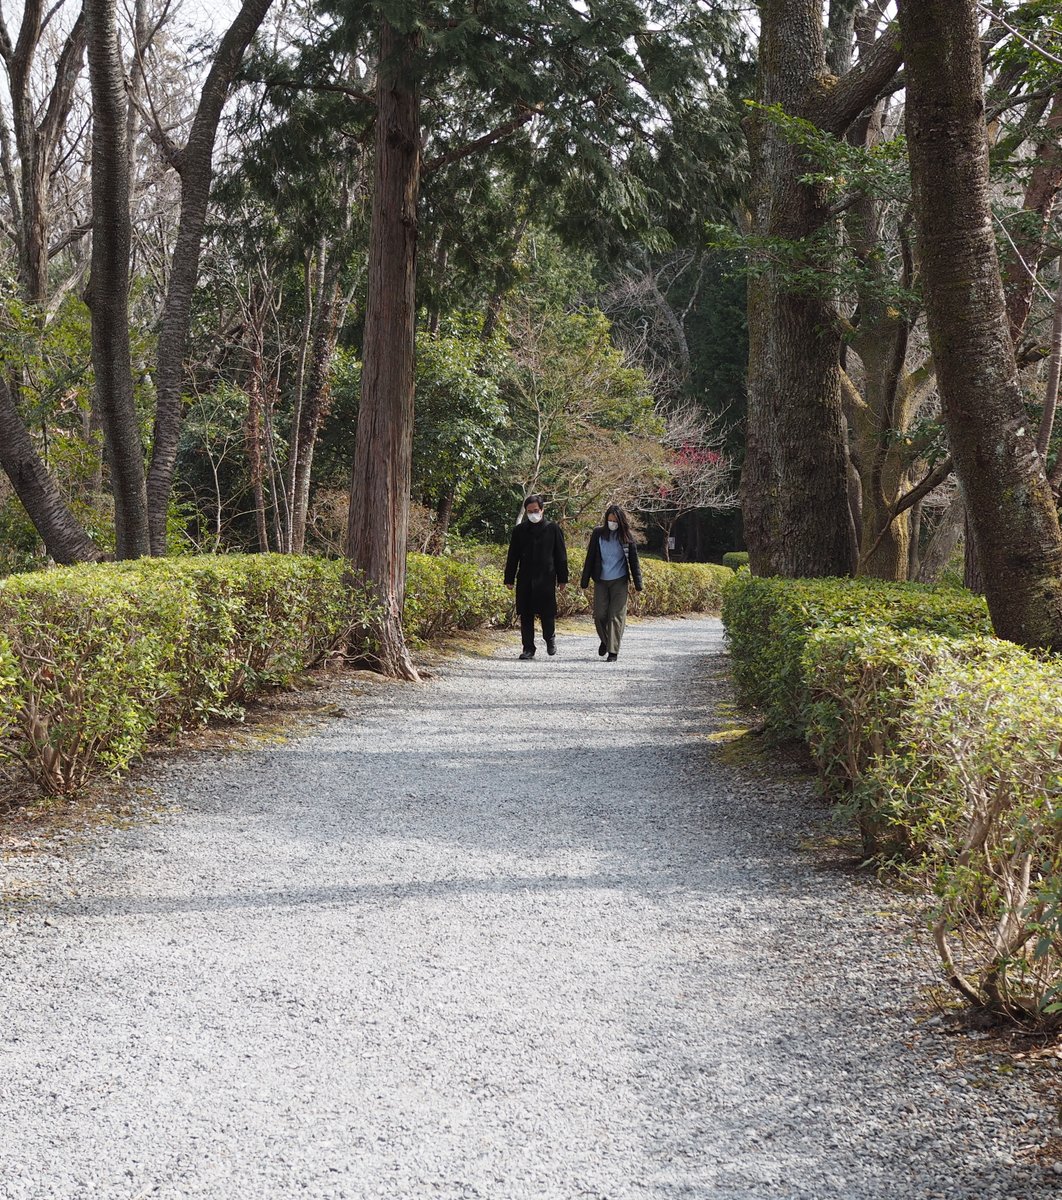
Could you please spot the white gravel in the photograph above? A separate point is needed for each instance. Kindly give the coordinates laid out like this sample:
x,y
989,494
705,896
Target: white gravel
x,y
517,933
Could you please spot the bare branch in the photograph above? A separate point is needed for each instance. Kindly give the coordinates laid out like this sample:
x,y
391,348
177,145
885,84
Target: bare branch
x,y
168,148
67,70
922,489
1044,93
69,238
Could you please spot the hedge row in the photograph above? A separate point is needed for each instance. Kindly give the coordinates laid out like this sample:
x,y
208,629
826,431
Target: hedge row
x,y
112,654
769,622
736,559
96,661
669,588
944,744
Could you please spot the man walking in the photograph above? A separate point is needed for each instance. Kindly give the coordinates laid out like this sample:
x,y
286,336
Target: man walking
x,y
537,564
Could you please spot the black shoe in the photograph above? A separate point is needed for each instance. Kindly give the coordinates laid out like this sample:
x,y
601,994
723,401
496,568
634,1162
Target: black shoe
x,y
602,649
527,654
612,658
551,647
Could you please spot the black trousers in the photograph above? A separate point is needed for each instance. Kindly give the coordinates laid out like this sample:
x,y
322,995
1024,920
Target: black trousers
x,y
538,602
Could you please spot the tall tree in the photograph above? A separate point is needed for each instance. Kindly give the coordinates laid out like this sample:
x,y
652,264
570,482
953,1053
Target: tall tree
x,y
28,147
528,61
795,483
379,495
37,132
1011,510
194,163
108,291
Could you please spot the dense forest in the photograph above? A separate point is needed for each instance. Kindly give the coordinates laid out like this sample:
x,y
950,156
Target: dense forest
x,y
322,277
575,333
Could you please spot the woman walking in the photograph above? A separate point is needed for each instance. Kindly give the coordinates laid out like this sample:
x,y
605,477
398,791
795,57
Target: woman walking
x,y
612,563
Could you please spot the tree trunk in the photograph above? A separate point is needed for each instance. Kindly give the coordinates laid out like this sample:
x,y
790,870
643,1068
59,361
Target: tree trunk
x,y
943,542
1054,371
973,578
840,34
108,291
316,397
379,494
443,516
253,424
1022,260
195,164
914,551
64,539
794,483
886,407
1012,513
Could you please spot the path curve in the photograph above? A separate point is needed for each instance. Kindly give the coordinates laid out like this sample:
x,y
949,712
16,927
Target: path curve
x,y
519,933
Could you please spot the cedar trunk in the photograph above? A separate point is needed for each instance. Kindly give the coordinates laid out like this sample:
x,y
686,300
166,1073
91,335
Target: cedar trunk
x,y
379,494
794,492
108,292
1013,518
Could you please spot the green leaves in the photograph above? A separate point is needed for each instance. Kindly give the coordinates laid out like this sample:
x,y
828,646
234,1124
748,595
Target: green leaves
x,y
770,621
460,414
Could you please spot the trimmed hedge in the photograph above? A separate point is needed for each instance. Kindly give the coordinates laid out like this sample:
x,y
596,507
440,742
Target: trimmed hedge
x,y
736,559
769,621
945,746
668,589
110,654
976,776
96,661
444,595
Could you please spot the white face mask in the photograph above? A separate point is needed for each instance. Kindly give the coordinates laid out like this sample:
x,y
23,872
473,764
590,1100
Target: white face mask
x,y
613,525
534,517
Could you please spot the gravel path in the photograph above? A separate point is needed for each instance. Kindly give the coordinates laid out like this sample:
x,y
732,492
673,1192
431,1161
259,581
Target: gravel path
x,y
518,933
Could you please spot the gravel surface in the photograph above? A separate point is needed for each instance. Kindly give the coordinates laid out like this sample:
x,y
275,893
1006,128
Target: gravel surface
x,y
521,932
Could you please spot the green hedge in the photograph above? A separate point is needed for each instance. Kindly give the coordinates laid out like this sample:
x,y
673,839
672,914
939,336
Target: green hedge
x,y
444,595
945,746
108,655
96,661
975,776
736,559
668,589
769,621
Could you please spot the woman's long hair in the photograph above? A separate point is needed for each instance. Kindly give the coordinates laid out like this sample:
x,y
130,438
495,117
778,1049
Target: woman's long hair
x,y
624,531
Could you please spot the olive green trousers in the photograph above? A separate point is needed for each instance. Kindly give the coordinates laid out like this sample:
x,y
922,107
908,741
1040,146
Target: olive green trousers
x,y
610,611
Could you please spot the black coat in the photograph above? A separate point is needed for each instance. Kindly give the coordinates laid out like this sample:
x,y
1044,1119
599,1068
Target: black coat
x,y
592,566
538,558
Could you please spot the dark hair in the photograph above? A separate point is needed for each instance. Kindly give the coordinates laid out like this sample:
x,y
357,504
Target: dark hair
x,y
624,530
535,500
